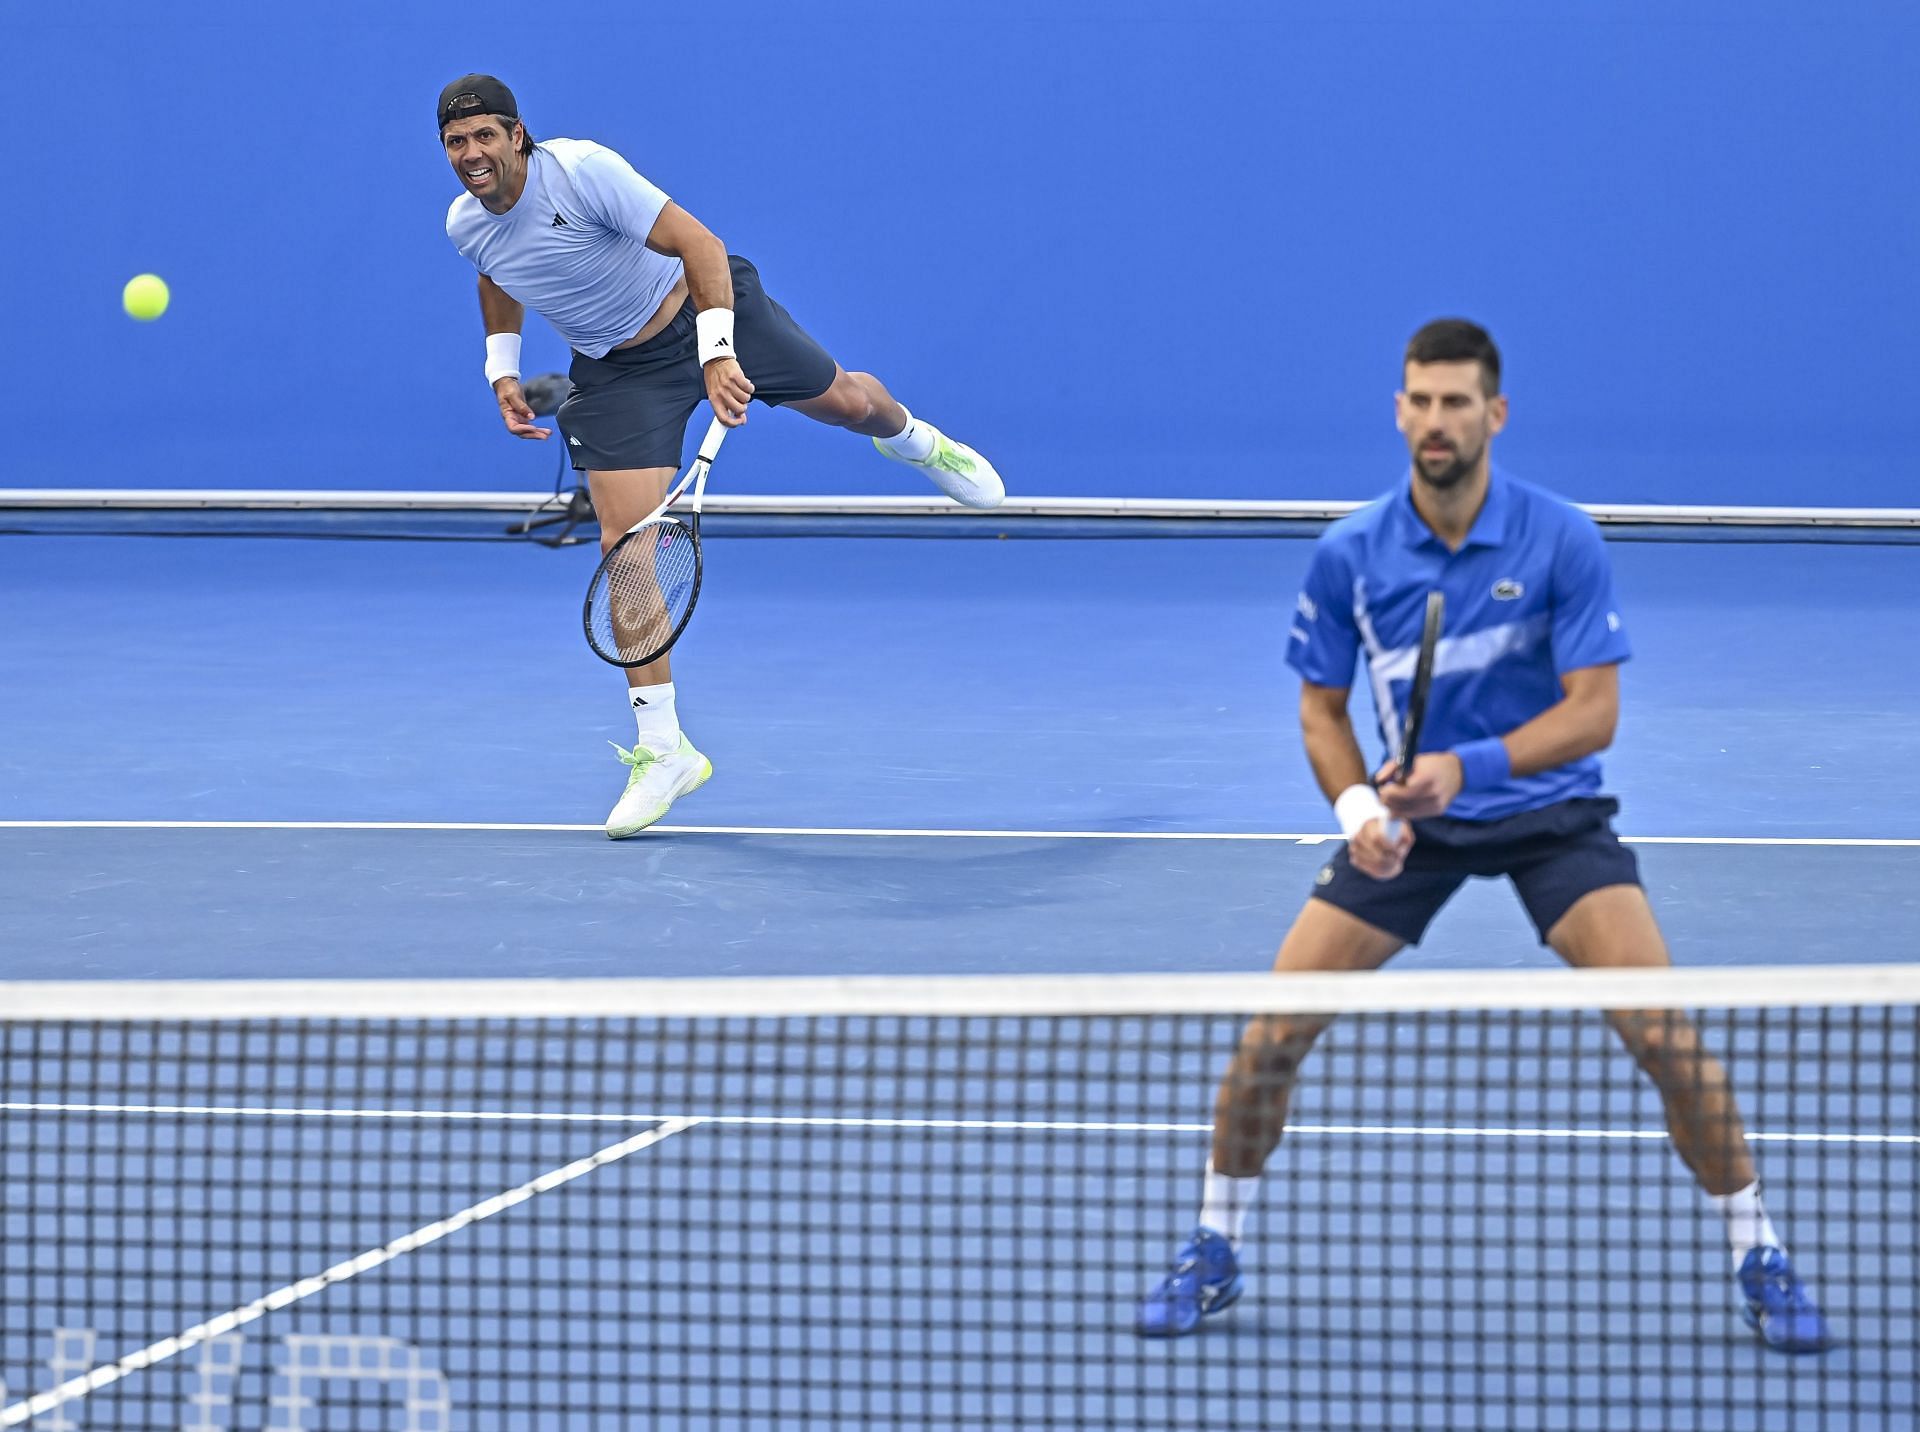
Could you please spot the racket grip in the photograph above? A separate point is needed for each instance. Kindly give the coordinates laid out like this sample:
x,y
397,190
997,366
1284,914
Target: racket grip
x,y
1392,825
710,444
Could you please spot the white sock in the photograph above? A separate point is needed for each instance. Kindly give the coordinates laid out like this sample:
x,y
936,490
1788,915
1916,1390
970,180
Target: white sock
x,y
1748,1226
914,442
654,717
1224,1205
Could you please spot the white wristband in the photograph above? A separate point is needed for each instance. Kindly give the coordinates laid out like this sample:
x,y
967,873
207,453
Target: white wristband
x,y
503,356
1355,806
715,327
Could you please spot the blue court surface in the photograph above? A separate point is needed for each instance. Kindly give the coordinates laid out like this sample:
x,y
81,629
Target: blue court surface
x,y
1028,703
260,759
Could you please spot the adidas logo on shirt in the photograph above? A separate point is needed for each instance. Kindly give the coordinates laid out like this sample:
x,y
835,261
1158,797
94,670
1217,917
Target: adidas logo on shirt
x,y
558,222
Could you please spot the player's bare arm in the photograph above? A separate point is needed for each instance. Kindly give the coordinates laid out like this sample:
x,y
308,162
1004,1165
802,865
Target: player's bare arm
x,y
1338,765
501,313
1581,723
679,235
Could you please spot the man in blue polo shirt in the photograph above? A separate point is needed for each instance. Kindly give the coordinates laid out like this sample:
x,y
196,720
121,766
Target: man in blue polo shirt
x,y
1525,695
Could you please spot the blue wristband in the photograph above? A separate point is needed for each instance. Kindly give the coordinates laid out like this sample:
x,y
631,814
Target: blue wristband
x,y
1483,763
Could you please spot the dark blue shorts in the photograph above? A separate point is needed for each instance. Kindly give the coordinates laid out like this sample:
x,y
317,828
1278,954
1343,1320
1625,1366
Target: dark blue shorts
x,y
629,409
1553,856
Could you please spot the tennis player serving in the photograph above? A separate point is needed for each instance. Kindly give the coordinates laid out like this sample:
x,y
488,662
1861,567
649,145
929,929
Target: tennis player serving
x,y
659,317
1524,696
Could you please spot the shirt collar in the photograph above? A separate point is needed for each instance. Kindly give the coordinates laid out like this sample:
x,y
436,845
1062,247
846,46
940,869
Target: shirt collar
x,y
1489,527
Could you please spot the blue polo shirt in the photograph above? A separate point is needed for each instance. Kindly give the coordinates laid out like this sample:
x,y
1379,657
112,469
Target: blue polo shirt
x,y
1529,596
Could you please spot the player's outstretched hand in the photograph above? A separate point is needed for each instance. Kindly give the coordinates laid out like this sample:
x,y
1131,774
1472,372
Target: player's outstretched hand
x,y
1429,789
514,409
1373,854
728,391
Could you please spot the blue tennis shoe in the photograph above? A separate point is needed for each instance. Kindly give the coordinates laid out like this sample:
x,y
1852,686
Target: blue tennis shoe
x,y
1205,1280
1777,1305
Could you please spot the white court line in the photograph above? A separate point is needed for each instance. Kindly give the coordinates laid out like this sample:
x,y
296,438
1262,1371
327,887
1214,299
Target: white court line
x,y
832,1121
903,833
146,1357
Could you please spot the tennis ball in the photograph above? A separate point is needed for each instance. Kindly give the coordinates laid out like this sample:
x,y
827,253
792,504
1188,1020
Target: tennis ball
x,y
145,296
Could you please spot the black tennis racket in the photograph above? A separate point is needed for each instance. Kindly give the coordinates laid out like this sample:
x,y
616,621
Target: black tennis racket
x,y
1417,697
643,591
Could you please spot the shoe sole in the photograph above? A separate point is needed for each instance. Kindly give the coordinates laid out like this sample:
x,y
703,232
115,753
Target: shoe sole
x,y
980,498
699,780
1219,1305
950,484
1795,1349
1791,1349
977,500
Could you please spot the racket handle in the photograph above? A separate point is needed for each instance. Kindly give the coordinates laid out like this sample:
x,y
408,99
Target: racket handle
x,y
710,444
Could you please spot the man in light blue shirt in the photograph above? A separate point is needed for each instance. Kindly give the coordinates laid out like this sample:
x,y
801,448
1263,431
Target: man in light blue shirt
x,y
648,300
1525,695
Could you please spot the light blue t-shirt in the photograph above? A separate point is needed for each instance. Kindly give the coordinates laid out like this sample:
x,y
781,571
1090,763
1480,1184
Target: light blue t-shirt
x,y
573,248
1529,597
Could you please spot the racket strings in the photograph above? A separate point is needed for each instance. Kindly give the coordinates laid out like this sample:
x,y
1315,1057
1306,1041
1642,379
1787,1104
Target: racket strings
x,y
644,592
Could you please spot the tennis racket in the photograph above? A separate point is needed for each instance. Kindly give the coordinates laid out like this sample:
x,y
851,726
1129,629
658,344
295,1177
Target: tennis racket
x,y
1417,697
643,591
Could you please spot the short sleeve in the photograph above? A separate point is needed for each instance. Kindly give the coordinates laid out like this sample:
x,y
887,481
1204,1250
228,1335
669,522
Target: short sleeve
x,y
1324,642
460,229
617,195
1587,630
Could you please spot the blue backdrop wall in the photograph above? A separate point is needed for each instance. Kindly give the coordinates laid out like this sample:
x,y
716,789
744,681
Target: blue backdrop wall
x,y
1124,248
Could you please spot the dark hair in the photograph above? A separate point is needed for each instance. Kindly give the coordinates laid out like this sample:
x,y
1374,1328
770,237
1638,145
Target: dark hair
x,y
1456,340
525,147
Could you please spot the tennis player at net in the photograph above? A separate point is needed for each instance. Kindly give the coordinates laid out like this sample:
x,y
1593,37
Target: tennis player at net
x,y
659,316
1524,697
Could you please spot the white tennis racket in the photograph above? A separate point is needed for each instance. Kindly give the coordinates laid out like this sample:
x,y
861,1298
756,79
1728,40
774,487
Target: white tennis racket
x,y
643,592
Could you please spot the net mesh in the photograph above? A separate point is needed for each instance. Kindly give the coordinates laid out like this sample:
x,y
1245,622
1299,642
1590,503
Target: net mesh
x,y
643,592
372,1216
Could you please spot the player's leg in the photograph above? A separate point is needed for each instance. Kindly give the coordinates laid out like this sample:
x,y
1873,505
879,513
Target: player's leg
x,y
1353,922
621,499
1250,1106
1612,926
625,424
1581,889
662,764
860,401
1250,1111
789,368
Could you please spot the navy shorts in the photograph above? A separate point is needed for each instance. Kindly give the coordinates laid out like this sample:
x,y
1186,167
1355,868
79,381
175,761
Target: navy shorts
x,y
1553,856
630,408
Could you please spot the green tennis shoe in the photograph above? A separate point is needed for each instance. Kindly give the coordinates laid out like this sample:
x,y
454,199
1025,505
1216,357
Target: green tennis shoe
x,y
655,781
956,469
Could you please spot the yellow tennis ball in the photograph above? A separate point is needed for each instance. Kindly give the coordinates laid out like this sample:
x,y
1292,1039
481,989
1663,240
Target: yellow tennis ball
x,y
145,296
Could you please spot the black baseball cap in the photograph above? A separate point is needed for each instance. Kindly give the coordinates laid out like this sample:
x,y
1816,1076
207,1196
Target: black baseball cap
x,y
475,94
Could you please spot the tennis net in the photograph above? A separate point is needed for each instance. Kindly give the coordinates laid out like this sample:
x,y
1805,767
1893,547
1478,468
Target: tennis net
x,y
933,1203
